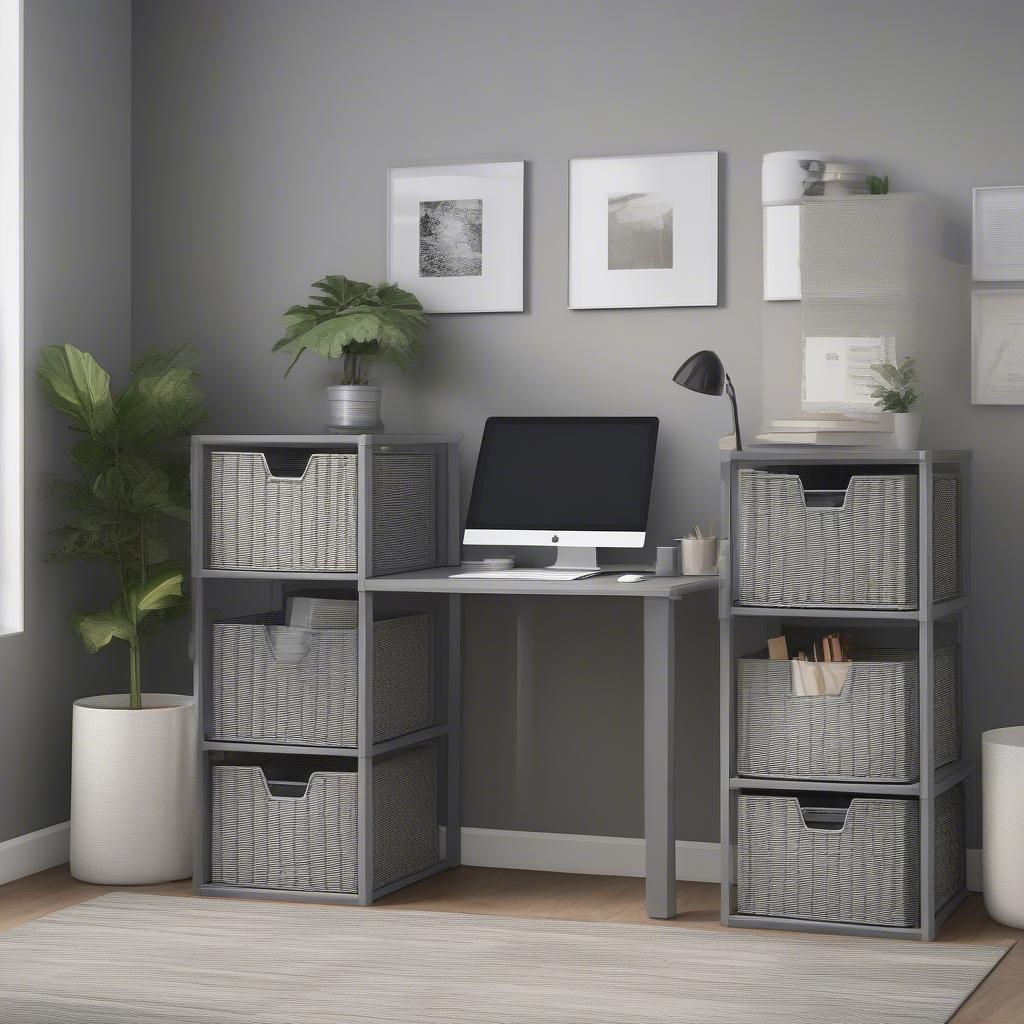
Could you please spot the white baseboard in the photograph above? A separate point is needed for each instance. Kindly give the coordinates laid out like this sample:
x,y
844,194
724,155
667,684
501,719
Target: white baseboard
x,y
580,855
605,855
37,851
481,847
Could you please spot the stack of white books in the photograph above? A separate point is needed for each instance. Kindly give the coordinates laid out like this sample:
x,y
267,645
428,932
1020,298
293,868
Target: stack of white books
x,y
839,431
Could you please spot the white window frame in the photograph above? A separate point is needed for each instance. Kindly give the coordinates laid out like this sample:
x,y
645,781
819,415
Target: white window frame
x,y
12,473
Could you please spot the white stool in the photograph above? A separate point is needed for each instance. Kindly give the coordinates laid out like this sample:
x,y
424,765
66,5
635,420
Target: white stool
x,y
1002,766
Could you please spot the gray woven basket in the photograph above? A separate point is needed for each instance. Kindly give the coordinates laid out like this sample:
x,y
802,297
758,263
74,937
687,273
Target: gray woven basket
x,y
303,523
307,521
867,732
862,554
277,684
866,872
308,842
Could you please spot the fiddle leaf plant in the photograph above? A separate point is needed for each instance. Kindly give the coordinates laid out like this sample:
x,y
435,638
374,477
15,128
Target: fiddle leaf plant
x,y
894,389
131,492
356,323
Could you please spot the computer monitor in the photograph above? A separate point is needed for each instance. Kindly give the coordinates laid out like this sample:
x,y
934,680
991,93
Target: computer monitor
x,y
574,483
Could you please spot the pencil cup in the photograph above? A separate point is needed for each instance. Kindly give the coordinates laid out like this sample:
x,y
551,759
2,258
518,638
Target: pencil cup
x,y
700,555
667,563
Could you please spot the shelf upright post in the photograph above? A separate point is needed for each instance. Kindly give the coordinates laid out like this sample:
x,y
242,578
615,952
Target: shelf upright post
x,y
926,676
727,668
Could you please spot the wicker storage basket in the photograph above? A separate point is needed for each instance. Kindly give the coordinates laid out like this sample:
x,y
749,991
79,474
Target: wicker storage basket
x,y
304,519
277,684
307,840
866,872
860,554
867,732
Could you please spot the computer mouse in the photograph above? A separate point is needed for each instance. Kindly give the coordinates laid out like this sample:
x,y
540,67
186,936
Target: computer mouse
x,y
631,577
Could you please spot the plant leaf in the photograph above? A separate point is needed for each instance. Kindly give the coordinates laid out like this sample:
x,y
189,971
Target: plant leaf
x,y
97,629
77,385
162,590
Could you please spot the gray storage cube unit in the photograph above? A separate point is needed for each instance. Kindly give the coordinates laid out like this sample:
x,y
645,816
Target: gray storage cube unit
x,y
301,514
868,732
327,753
856,548
279,834
279,684
805,858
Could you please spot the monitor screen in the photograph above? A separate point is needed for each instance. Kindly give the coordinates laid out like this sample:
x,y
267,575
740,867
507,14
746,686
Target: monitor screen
x,y
564,474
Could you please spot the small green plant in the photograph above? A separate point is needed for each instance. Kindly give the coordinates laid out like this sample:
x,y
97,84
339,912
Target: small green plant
x,y
878,186
894,391
131,490
356,323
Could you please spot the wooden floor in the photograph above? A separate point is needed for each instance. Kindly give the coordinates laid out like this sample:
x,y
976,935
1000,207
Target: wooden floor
x,y
999,1000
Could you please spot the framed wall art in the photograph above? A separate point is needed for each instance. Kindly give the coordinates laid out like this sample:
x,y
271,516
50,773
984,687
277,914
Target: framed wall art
x,y
997,346
998,234
643,231
455,235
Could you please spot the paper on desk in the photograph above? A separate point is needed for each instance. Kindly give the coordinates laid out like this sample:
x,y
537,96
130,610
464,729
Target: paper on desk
x,y
838,375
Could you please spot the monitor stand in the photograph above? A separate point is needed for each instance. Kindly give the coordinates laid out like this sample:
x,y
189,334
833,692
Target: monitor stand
x,y
582,560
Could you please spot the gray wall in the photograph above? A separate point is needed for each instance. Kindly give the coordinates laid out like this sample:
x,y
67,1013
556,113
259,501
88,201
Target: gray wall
x,y
77,289
262,131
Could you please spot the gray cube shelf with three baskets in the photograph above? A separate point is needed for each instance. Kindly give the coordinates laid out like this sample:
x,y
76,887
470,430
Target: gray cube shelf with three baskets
x,y
844,812
329,749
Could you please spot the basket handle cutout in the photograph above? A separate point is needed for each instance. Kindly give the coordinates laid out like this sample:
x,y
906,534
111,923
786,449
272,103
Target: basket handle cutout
x,y
825,819
293,655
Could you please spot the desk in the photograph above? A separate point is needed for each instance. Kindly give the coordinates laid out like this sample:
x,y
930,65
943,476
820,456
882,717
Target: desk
x,y
657,594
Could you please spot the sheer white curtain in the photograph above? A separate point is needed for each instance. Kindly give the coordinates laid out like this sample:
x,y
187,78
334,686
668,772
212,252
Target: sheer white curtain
x,y
11,358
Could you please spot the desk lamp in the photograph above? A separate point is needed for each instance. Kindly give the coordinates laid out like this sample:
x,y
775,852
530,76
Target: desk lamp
x,y
704,373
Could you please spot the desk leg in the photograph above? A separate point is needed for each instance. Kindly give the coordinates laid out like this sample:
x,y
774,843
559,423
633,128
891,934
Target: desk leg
x,y
659,756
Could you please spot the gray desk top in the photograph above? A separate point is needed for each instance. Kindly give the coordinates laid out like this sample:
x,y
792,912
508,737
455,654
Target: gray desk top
x,y
811,453
439,581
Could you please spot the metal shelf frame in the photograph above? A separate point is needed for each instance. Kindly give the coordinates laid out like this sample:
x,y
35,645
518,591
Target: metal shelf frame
x,y
445,612
735,619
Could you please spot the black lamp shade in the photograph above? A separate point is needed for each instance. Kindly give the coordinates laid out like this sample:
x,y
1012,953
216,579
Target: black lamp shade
x,y
703,372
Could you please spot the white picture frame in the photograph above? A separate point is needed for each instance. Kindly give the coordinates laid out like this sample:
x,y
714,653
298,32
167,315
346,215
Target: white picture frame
x,y
643,231
455,235
997,346
998,233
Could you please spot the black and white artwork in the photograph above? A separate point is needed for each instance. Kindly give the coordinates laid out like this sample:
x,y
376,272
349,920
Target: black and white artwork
x,y
640,231
643,231
451,238
455,235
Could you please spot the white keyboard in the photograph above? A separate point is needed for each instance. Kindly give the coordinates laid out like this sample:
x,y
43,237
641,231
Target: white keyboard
x,y
555,575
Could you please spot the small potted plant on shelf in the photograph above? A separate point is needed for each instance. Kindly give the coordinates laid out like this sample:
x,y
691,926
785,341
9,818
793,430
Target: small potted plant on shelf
x,y
894,392
132,752
355,323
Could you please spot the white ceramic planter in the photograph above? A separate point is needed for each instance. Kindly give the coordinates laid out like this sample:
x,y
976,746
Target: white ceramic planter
x,y
354,406
1002,790
132,791
906,427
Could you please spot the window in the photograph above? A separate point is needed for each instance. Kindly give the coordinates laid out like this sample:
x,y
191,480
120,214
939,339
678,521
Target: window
x,y
12,555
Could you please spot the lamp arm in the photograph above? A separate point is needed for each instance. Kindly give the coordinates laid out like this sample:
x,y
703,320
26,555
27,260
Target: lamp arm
x,y
730,390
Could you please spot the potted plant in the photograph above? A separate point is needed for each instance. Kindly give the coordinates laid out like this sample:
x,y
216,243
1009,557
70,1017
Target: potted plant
x,y
132,752
895,393
355,323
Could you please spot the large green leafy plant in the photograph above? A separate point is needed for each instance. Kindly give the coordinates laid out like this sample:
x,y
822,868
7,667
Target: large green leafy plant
x,y
131,493
356,323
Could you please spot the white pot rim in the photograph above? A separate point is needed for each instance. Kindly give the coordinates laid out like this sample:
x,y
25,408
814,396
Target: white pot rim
x,y
118,702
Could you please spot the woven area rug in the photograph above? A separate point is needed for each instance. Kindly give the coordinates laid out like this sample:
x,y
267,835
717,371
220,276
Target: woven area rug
x,y
142,959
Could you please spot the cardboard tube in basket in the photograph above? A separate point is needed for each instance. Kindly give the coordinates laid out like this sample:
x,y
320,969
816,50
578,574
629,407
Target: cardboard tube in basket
x,y
818,678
